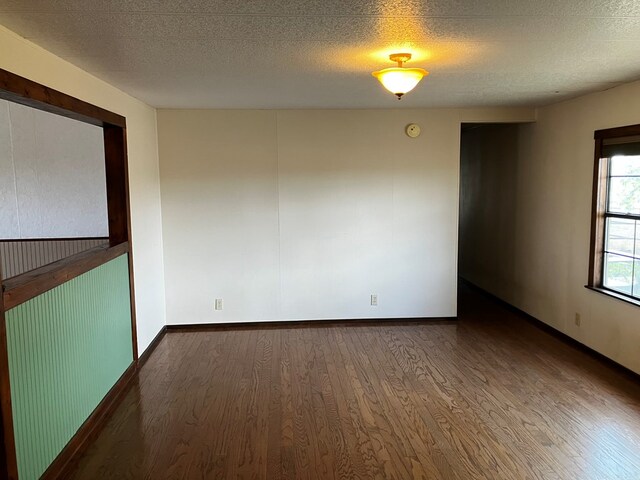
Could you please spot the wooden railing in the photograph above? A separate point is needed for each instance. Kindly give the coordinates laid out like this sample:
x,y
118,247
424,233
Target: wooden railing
x,y
20,256
18,290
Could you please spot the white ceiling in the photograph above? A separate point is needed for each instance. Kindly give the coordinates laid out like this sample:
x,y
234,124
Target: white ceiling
x,y
320,53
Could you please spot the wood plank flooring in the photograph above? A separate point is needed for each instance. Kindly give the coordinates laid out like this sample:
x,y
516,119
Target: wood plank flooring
x,y
489,396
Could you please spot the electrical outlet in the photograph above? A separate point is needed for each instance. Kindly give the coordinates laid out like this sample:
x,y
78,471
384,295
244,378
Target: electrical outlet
x,y
218,304
577,320
374,300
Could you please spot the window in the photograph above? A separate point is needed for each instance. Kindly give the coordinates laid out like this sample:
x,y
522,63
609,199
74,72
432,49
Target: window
x,y
615,232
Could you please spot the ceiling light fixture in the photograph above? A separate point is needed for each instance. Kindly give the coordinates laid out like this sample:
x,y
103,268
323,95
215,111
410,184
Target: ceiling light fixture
x,y
400,80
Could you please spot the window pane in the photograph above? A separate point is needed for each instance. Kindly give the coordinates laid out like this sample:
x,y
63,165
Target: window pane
x,y
624,195
618,273
621,236
636,279
625,165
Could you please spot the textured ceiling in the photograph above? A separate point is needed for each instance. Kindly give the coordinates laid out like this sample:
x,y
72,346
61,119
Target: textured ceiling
x,y
320,53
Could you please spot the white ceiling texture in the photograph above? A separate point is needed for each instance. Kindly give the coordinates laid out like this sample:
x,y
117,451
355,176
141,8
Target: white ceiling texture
x,y
320,53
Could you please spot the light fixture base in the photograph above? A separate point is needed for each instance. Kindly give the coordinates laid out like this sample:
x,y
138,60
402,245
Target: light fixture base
x,y
400,58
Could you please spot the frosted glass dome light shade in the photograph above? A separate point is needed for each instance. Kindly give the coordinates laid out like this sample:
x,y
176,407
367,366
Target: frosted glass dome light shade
x,y
400,80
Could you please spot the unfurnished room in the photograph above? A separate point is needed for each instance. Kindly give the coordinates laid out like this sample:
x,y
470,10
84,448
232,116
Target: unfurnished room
x,y
368,239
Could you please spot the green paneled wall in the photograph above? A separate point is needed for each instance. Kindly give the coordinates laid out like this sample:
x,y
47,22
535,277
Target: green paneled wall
x,y
67,348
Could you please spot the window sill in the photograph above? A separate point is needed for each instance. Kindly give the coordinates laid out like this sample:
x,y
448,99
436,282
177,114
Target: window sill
x,y
611,293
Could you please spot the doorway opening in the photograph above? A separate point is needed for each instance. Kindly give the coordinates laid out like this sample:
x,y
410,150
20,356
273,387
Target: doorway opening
x,y
489,221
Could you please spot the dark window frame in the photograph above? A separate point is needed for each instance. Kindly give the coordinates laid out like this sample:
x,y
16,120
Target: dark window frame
x,y
600,213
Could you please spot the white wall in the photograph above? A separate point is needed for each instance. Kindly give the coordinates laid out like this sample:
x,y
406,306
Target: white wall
x,y
28,60
552,222
305,214
52,176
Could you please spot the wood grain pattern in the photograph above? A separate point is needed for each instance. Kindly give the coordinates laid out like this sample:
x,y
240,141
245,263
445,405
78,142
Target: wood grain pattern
x,y
489,396
8,460
598,207
20,256
27,92
118,206
152,346
116,183
617,132
22,288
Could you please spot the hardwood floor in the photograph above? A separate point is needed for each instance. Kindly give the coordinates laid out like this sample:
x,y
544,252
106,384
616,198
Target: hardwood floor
x,y
487,397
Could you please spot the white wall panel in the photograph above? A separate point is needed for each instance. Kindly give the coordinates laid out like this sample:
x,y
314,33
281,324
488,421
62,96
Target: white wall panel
x,y
53,176
303,214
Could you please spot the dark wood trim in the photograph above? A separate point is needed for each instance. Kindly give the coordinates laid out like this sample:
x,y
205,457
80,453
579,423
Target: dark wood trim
x,y
617,132
115,169
8,460
64,462
21,288
127,208
630,216
356,322
118,206
27,92
152,346
66,239
598,207
132,300
614,294
553,331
